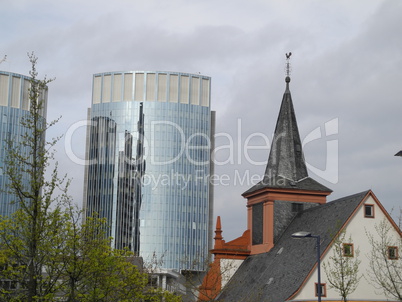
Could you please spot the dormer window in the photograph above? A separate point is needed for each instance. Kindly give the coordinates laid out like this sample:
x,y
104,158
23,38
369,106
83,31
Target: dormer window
x,y
369,211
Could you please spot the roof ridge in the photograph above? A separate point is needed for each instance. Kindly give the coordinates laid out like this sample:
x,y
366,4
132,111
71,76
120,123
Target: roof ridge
x,y
335,201
349,196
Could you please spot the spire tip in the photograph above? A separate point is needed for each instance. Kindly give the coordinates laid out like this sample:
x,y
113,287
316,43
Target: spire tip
x,y
288,68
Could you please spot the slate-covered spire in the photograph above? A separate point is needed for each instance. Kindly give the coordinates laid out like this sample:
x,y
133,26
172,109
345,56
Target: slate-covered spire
x,y
286,158
286,167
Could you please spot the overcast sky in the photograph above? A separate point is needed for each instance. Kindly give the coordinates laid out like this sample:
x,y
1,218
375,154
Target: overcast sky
x,y
346,78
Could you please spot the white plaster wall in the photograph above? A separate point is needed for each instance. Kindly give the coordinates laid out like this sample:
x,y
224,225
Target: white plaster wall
x,y
228,268
357,228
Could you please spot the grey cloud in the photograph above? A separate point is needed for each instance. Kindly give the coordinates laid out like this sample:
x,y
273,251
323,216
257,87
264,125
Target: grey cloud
x,y
345,65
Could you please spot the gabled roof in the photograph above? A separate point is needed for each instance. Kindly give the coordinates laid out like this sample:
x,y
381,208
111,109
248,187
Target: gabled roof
x,y
276,275
286,167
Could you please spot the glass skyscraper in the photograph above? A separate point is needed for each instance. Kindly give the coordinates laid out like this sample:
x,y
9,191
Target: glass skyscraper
x,y
148,152
14,105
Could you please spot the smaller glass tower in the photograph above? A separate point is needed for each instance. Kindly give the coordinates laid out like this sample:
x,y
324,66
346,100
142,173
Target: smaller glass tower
x,y
14,105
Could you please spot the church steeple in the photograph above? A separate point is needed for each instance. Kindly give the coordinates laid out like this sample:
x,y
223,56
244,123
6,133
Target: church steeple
x,y
286,158
286,167
286,187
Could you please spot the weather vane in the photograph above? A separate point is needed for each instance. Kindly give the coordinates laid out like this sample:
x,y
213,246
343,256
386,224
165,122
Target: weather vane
x,y
287,67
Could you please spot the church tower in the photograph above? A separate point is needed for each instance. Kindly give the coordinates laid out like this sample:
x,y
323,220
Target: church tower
x,y
286,188
272,204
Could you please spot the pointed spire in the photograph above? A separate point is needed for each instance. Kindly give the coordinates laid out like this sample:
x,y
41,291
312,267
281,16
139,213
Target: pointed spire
x,y
218,234
218,230
286,157
286,167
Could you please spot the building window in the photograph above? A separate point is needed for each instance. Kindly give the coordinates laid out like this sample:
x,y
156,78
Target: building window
x,y
369,211
323,290
257,223
393,252
348,250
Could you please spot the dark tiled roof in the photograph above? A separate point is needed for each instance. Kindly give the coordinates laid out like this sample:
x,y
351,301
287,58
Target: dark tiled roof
x,y
274,276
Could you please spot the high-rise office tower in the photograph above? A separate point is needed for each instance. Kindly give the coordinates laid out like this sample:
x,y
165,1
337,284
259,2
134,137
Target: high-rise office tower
x,y
148,164
14,105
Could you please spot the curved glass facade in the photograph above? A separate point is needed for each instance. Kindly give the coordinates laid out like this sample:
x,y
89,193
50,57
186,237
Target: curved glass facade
x,y
14,105
148,152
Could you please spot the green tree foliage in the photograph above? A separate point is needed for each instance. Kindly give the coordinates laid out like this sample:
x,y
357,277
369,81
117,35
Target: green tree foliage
x,y
93,271
29,236
342,268
46,252
385,272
